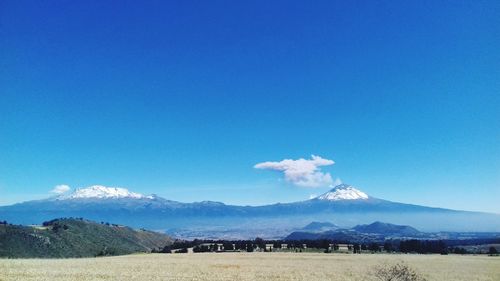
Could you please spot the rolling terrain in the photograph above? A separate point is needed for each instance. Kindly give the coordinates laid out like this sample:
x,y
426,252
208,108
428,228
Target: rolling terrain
x,y
64,238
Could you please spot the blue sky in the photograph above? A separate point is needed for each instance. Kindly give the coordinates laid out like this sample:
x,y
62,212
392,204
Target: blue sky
x,y
183,98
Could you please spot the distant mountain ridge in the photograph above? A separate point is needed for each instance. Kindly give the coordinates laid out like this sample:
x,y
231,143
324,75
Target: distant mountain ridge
x,y
64,238
320,226
344,204
386,228
359,233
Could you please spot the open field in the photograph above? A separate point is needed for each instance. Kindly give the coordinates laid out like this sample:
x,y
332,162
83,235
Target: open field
x,y
246,266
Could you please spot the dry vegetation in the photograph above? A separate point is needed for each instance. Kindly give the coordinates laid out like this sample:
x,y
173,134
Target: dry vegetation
x,y
248,266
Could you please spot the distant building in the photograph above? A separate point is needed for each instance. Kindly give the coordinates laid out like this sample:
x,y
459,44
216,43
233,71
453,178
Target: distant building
x,y
214,247
341,248
345,248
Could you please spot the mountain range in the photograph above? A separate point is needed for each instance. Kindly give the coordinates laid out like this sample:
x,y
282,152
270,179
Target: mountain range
x,y
377,231
343,205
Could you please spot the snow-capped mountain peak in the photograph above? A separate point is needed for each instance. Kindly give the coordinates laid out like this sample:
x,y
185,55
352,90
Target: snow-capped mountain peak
x,y
103,192
343,192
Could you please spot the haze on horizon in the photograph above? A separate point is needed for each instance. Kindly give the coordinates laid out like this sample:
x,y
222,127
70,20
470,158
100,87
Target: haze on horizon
x,y
244,104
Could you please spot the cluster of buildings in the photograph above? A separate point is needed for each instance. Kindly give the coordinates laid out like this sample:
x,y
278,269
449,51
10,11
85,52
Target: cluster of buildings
x,y
269,247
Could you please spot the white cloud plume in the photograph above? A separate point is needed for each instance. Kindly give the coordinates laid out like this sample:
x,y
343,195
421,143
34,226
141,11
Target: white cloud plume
x,y
337,181
302,172
60,189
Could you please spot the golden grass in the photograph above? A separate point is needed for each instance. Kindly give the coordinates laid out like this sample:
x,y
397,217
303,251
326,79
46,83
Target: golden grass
x,y
246,266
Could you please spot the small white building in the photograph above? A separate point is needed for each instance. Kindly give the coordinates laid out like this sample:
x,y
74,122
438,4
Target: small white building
x,y
218,247
341,248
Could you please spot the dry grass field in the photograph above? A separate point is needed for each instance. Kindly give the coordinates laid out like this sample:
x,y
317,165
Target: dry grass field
x,y
246,266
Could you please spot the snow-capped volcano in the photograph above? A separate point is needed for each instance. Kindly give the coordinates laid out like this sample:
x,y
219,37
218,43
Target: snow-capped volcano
x,y
103,192
344,204
343,192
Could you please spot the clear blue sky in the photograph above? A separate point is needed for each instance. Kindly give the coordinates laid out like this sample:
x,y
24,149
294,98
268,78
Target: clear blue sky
x,y
183,98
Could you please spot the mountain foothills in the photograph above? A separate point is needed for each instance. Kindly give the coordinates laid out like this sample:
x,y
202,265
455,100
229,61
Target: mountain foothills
x,y
377,231
386,228
345,205
380,232
64,238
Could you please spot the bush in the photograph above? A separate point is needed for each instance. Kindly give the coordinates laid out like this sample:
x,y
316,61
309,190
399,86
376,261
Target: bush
x,y
166,250
493,251
397,272
181,251
201,249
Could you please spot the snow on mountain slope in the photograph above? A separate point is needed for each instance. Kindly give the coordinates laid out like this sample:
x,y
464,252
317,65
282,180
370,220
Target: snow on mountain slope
x,y
343,192
103,192
344,204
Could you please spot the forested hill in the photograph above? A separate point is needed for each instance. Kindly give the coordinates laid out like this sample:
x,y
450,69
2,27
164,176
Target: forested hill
x,y
64,238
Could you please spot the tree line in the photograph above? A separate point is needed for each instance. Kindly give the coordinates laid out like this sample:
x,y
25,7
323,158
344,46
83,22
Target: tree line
x,y
322,245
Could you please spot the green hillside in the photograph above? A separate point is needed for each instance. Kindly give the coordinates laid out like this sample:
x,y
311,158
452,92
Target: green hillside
x,y
64,238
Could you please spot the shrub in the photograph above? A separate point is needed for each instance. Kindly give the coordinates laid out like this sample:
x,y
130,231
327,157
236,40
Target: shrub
x,y
397,272
181,251
493,251
201,249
